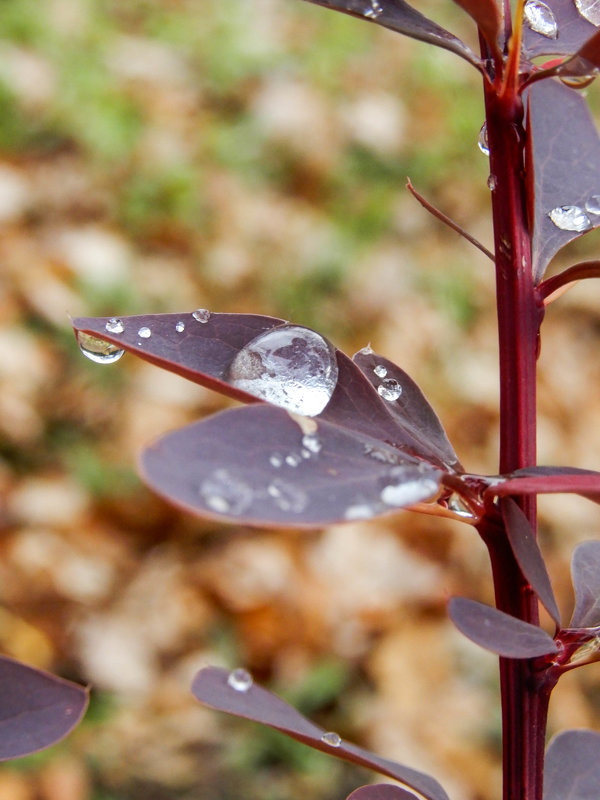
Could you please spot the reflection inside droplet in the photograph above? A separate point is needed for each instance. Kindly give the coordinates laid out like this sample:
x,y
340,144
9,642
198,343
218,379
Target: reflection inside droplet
x,y
290,366
540,18
98,350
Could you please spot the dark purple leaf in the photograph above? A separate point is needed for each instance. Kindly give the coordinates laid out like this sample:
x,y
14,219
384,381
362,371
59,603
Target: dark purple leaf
x,y
499,632
585,569
401,17
381,791
566,163
585,61
216,688
548,480
487,16
411,410
572,31
528,554
572,769
264,466
36,709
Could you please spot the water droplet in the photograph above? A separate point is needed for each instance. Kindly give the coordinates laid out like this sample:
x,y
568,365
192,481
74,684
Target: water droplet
x,y
590,10
276,460
201,315
389,389
540,18
287,497
578,81
380,371
491,182
593,204
144,333
570,218
98,350
180,326
240,680
368,8
312,443
331,738
408,488
224,493
114,325
366,351
385,455
293,459
290,366
482,140
359,511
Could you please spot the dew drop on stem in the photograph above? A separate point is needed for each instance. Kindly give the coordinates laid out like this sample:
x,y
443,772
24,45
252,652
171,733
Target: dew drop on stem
x,y
98,350
540,18
570,218
368,8
482,140
240,680
589,10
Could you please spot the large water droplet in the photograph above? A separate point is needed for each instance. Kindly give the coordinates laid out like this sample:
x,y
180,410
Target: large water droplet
x,y
180,326
579,81
144,333
114,325
482,140
201,315
98,350
380,371
590,10
540,18
224,493
592,206
331,738
287,497
407,488
570,218
389,389
368,8
240,680
290,366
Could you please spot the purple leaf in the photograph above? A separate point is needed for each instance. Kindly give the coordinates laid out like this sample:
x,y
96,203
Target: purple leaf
x,y
499,632
36,709
381,791
264,466
566,169
235,693
401,17
548,480
571,27
584,61
410,409
528,554
573,766
585,570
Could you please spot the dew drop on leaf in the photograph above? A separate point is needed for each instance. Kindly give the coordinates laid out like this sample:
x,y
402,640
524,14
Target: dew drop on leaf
x,y
98,350
482,140
590,10
114,325
287,497
293,459
592,206
389,389
290,366
144,333
570,218
368,8
380,371
224,493
180,326
359,511
240,680
201,315
275,460
406,488
312,443
540,18
331,738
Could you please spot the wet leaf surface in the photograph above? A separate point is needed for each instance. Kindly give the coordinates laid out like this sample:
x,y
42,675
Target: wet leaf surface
x,y
573,766
573,31
585,571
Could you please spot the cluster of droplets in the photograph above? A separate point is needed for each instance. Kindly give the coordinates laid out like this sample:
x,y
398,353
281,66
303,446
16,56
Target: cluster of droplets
x,y
540,18
367,8
576,218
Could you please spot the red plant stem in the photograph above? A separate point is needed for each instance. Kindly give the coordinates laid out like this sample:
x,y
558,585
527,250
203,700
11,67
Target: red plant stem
x,y
524,700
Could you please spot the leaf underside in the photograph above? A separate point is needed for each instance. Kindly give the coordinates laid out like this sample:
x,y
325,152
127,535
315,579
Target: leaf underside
x,y
573,31
585,571
211,688
499,632
381,791
36,709
572,769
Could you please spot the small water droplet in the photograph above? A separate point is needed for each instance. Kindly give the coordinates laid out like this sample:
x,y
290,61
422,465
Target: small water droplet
x,y
240,680
540,18
570,218
380,371
590,10
592,205
225,493
331,738
482,140
389,389
289,366
458,507
578,81
275,460
368,8
312,443
180,326
287,497
385,455
201,315
359,511
367,350
144,333
293,459
408,488
114,325
491,182
98,350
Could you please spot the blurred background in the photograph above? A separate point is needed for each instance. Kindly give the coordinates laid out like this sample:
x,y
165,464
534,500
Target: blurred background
x,y
251,155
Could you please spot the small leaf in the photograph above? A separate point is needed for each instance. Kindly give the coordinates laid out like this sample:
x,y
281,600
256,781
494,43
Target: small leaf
x,y
565,147
573,31
263,466
573,766
381,791
499,632
548,480
36,709
529,556
399,16
212,688
585,570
